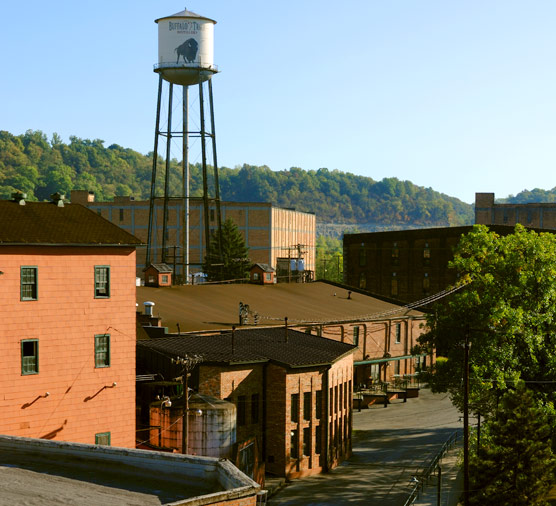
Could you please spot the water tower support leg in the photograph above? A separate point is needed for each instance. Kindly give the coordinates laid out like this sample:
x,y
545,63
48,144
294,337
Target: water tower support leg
x,y
185,187
167,174
208,253
215,168
153,178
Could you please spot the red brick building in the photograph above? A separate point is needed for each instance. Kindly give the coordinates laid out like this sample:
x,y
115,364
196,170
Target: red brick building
x,y
383,331
67,353
292,391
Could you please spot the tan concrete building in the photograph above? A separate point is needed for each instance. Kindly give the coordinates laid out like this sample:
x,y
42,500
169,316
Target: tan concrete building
x,y
271,233
531,215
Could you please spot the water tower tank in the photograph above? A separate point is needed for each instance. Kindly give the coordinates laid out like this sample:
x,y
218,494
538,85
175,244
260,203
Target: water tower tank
x,y
185,48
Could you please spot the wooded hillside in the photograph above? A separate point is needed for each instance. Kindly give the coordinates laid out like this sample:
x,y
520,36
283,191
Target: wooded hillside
x,y
33,164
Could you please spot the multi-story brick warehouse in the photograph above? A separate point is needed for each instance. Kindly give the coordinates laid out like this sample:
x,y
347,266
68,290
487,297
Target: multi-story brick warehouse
x,y
532,215
270,232
405,265
68,332
292,391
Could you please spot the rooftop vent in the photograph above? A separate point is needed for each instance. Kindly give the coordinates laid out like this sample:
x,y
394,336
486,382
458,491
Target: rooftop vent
x,y
148,307
19,197
58,199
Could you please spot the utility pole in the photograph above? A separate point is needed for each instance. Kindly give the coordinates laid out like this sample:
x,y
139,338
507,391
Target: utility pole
x,y
188,363
466,421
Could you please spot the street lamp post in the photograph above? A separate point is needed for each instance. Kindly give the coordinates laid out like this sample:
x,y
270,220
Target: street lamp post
x,y
466,421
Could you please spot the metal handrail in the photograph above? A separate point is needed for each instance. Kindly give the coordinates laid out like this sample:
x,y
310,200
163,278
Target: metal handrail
x,y
193,66
424,476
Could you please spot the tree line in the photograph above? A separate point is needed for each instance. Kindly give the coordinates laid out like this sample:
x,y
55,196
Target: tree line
x,y
38,166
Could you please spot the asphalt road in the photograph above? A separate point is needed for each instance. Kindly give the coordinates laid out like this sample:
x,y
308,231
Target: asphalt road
x,y
389,447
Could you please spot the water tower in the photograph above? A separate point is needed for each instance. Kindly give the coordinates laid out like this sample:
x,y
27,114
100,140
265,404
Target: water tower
x,y
185,59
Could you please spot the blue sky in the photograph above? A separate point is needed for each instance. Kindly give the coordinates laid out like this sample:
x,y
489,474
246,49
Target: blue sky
x,y
457,96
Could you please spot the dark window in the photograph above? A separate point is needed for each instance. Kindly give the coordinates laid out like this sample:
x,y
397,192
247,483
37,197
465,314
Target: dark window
x,y
356,335
241,410
426,254
102,281
121,215
294,445
397,367
336,399
30,356
341,397
318,439
255,408
345,395
165,278
426,283
398,333
307,441
102,350
362,256
29,283
307,406
295,407
362,280
395,254
102,438
318,404
212,215
331,399
394,284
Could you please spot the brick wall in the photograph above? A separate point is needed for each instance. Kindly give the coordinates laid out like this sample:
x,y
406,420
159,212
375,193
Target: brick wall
x,y
267,230
65,319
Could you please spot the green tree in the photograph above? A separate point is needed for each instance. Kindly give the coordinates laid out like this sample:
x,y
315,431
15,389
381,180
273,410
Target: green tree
x,y
329,258
234,263
515,463
508,309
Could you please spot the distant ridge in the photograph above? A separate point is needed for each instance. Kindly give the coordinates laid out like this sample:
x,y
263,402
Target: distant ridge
x,y
35,165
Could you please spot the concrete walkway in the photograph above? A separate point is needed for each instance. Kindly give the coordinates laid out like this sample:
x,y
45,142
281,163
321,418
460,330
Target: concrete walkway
x,y
390,446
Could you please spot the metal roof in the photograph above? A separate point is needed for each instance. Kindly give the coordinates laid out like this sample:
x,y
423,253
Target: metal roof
x,y
214,307
185,14
46,224
255,345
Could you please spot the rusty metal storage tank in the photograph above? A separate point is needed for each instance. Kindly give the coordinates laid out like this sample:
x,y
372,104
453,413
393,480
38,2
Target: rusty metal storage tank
x,y
212,426
185,48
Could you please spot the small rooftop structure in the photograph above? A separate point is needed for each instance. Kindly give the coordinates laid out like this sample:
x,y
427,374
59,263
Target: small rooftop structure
x,y
158,275
64,472
262,274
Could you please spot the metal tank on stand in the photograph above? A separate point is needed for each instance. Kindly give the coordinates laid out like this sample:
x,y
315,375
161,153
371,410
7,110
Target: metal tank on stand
x,y
185,59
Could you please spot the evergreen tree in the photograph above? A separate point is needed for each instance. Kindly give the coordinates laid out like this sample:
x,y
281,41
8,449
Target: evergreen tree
x,y
515,465
234,263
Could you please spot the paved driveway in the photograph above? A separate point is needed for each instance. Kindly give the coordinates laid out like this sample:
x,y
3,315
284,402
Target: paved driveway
x,y
389,446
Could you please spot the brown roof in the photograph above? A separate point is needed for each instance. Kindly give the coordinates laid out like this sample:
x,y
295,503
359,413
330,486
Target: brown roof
x,y
45,223
210,307
255,345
